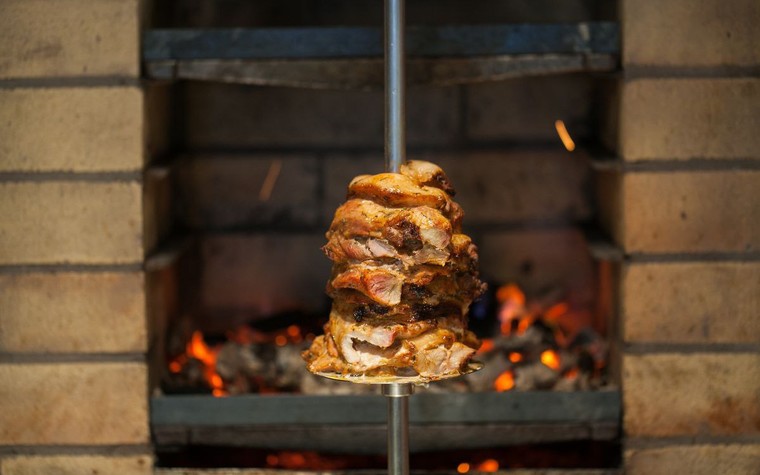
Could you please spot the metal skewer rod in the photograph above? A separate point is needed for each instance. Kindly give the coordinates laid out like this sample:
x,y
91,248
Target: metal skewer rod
x,y
395,86
395,154
398,426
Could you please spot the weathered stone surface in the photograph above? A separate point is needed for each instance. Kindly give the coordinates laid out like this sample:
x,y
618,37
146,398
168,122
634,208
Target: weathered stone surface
x,y
731,459
74,403
72,313
71,129
59,38
726,33
699,302
680,119
673,212
690,394
74,222
77,465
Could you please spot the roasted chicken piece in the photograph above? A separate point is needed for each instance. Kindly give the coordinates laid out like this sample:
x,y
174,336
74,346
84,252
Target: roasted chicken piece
x,y
407,229
387,284
427,174
403,278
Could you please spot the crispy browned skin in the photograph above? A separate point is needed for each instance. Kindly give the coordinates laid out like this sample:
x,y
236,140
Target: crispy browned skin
x,y
403,278
427,174
405,228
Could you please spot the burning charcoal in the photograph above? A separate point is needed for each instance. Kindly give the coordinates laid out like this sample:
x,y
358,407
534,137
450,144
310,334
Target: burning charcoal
x,y
568,361
535,376
290,367
189,379
589,340
545,331
586,363
495,363
234,360
532,337
568,384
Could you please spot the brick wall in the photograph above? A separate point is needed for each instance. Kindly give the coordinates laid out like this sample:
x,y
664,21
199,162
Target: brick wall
x,y
685,206
73,334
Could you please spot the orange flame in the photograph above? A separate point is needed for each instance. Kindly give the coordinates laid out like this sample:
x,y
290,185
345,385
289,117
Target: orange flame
x,y
551,359
489,465
556,311
512,305
515,357
463,467
564,135
504,382
198,349
486,345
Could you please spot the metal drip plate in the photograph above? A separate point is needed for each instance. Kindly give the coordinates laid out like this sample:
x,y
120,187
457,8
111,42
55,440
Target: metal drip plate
x,y
472,366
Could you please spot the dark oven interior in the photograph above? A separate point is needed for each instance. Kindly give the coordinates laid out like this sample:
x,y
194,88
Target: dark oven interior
x,y
261,154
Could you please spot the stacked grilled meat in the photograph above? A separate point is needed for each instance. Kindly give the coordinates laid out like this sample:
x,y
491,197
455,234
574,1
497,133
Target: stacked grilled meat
x,y
403,279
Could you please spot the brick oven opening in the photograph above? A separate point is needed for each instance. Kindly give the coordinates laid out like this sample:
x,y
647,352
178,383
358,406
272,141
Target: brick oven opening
x,y
262,152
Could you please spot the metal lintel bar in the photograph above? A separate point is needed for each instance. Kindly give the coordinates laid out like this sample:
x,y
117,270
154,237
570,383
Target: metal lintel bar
x,y
349,42
471,408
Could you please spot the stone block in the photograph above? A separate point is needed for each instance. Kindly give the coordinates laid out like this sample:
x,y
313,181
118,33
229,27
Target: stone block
x,y
681,119
672,212
691,394
52,38
77,465
70,312
71,129
690,33
74,404
70,222
698,302
734,459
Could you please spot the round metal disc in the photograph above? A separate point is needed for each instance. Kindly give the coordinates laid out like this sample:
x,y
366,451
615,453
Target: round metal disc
x,y
472,366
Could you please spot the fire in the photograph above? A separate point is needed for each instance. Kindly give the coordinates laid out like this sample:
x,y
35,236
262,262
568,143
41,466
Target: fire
x,y
511,305
463,468
515,357
489,465
551,359
504,382
564,135
198,349
556,311
486,345
175,366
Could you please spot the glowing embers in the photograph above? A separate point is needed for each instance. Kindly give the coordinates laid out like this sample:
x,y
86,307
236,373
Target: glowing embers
x,y
245,361
543,344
